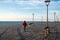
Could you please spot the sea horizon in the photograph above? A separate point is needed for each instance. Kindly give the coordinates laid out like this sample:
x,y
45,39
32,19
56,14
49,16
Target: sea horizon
x,y
4,23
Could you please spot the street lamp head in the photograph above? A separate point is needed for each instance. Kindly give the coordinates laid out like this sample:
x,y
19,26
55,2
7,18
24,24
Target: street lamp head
x,y
47,2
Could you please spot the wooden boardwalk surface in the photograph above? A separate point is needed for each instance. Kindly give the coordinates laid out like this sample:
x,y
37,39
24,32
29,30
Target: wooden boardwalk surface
x,y
15,32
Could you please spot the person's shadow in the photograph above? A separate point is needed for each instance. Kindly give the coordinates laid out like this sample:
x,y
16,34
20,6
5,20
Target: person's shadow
x,y
20,34
3,33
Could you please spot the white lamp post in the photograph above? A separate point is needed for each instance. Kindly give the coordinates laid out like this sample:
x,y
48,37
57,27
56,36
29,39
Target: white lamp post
x,y
54,16
33,17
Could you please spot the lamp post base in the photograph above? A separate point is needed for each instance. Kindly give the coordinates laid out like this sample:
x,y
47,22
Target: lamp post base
x,y
47,31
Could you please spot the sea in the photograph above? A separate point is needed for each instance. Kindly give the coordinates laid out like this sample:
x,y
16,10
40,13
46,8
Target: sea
x,y
4,23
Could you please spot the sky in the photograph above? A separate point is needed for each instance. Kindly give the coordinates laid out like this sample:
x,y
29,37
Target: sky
x,y
20,10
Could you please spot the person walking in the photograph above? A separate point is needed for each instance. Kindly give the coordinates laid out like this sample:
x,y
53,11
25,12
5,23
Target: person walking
x,y
25,24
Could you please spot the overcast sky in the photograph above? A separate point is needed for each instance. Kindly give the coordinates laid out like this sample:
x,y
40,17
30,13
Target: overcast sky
x,y
19,10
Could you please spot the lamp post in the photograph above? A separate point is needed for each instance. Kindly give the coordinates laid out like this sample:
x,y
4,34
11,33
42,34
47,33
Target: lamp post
x,y
33,17
42,19
54,16
47,3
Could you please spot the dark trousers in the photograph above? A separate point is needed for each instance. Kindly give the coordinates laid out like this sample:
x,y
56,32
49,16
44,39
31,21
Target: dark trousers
x,y
25,29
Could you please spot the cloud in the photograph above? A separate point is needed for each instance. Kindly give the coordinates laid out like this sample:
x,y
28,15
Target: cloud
x,y
23,2
37,4
55,0
7,1
30,3
33,4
